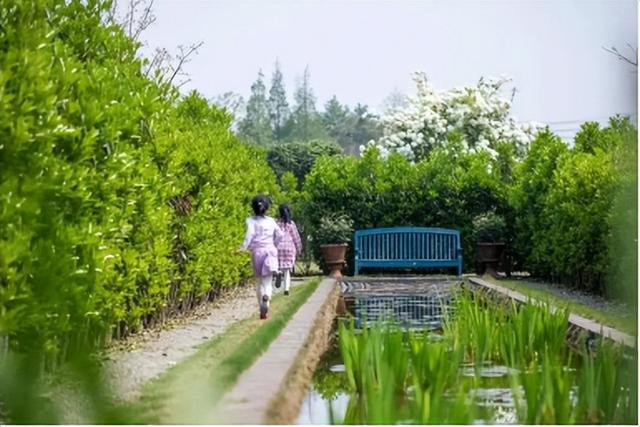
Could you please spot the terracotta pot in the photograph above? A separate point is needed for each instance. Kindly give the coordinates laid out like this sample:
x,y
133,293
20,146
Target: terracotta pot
x,y
488,256
334,257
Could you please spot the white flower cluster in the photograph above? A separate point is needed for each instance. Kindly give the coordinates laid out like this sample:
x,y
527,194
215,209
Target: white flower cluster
x,y
475,116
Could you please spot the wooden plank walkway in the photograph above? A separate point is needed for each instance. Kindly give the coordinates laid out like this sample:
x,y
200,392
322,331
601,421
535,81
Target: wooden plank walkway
x,y
575,320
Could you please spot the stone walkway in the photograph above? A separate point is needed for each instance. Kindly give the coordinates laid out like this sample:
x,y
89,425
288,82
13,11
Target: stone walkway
x,y
251,398
144,357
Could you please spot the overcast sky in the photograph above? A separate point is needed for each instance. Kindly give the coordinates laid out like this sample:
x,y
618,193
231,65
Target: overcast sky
x,y
363,50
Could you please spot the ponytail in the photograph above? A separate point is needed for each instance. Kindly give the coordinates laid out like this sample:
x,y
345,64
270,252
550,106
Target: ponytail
x,y
284,213
260,205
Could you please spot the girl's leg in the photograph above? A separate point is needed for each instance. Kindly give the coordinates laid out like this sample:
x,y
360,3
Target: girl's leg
x,y
259,289
264,295
287,279
267,289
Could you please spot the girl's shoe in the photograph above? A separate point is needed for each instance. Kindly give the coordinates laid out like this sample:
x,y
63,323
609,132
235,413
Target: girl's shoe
x,y
286,292
278,280
264,307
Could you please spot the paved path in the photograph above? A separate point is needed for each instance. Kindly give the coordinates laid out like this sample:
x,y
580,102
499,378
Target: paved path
x,y
249,401
574,319
146,356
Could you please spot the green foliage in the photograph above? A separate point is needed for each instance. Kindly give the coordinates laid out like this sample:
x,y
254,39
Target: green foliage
x,y
532,181
623,270
256,125
350,129
119,204
447,190
575,208
398,376
578,211
299,157
489,228
277,104
333,229
604,386
383,361
305,123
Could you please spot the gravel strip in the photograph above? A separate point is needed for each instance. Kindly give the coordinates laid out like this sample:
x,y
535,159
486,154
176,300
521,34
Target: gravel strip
x,y
138,359
564,292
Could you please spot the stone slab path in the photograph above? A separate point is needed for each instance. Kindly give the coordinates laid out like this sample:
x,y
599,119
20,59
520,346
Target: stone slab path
x,y
249,401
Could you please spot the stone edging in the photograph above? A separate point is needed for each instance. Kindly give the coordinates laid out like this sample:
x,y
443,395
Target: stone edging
x,y
284,408
575,320
272,389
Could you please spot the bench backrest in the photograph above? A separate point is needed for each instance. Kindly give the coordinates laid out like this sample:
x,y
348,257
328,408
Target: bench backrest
x,y
407,247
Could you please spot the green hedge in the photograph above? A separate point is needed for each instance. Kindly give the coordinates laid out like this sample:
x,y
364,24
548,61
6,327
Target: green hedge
x,y
119,203
298,157
447,190
570,213
577,208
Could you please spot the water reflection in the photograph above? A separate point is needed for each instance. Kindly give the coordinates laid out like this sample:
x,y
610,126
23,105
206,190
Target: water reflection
x,y
418,305
316,409
409,311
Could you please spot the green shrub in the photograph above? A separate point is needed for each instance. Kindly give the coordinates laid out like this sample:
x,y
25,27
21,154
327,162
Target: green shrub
x,y
489,228
334,229
447,190
570,203
578,211
623,271
298,157
119,203
532,181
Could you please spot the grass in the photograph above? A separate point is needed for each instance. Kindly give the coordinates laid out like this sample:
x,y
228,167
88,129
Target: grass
x,y
190,391
623,321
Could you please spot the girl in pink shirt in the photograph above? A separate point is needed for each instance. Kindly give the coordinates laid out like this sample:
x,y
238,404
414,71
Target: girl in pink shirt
x,y
290,245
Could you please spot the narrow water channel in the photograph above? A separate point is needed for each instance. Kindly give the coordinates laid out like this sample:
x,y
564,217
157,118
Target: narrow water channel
x,y
328,395
417,305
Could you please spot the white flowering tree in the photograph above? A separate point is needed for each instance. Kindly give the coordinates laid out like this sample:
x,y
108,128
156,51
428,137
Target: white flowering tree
x,y
477,118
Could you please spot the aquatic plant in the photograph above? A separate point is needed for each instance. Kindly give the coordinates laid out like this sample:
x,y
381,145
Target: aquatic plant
x,y
401,376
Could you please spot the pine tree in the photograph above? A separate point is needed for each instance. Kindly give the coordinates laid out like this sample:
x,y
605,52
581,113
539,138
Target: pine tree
x,y
277,104
255,127
305,123
335,119
365,125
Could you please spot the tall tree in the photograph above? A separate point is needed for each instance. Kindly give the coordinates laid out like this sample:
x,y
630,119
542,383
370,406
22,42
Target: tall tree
x,y
365,125
335,118
277,104
255,127
305,123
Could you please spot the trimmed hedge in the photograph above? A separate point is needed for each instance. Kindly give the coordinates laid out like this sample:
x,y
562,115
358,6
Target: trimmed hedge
x,y
570,213
447,190
119,203
576,208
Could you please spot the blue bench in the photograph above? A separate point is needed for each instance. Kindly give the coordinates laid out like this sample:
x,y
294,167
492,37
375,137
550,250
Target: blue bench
x,y
407,247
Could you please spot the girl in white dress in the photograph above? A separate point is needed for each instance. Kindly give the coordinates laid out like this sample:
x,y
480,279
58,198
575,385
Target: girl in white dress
x,y
263,234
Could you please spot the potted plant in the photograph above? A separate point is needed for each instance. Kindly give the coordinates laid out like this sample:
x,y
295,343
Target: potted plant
x,y
333,235
489,230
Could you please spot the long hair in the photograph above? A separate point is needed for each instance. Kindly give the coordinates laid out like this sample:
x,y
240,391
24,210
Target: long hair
x,y
260,205
284,213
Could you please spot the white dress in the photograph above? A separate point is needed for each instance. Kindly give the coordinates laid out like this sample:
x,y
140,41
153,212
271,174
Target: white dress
x,y
263,234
